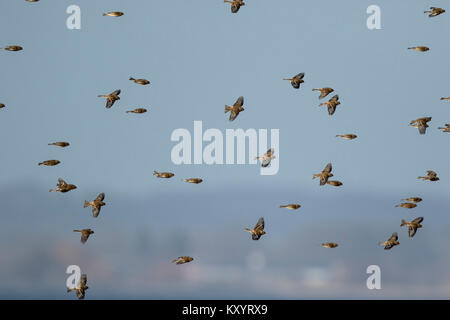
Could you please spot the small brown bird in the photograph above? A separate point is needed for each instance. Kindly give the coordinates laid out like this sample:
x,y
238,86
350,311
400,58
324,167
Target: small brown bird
x,y
258,230
407,205
391,242
420,49
193,180
331,104
235,5
85,233
184,259
412,226
13,48
63,186
49,163
143,82
2,106
334,183
431,175
445,98
329,245
163,174
446,128
266,158
324,175
80,288
31,0
137,110
236,108
111,98
292,206
434,12
349,136
296,80
96,204
421,124
61,144
324,92
413,199
114,14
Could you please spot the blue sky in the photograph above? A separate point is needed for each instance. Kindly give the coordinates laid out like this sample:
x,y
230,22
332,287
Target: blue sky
x,y
200,57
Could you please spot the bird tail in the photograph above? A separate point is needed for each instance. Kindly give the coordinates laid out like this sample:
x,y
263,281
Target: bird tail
x,y
104,14
382,243
247,229
411,48
404,223
227,108
315,89
283,206
316,175
338,135
76,230
86,204
52,190
423,178
322,104
155,173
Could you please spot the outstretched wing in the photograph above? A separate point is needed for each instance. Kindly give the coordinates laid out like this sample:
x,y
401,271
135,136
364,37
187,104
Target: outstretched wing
x,y
431,174
394,237
265,163
115,93
239,102
61,183
412,230
235,8
109,102
95,211
260,224
300,76
328,168
417,220
100,197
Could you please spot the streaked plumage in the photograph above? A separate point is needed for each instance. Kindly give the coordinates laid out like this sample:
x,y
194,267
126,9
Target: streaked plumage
x,y
420,49
142,82
324,92
235,5
193,180
296,80
434,12
258,230
421,124
331,104
111,98
137,110
63,186
407,205
113,14
96,204
266,158
391,242
163,174
330,245
182,260
61,144
412,226
236,108
349,136
13,48
49,163
81,287
334,183
292,206
324,175
431,176
85,233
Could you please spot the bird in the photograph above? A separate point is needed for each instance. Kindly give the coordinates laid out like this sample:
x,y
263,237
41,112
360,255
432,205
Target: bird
x,y
324,175
13,48
235,5
412,226
391,242
32,0
111,98
61,144
407,205
324,92
434,12
334,183
431,175
413,199
445,98
446,128
81,287
96,204
184,259
49,162
292,206
329,245
235,109
266,158
296,80
63,186
348,136
193,180
421,124
163,174
2,105
420,48
331,104
143,82
85,233
113,14
137,110
258,230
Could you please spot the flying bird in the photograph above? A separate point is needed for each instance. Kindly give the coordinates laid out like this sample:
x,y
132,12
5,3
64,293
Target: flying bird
x,y
420,49
182,260
114,14
445,98
413,199
193,180
31,0
431,175
349,136
434,12
49,163
391,242
235,5
96,204
324,175
63,186
329,245
324,92
446,128
266,158
163,174
61,144
421,124
13,48
143,82
412,226
2,106
407,205
258,230
81,287
296,80
292,206
235,109
111,98
331,104
85,233
137,110
334,183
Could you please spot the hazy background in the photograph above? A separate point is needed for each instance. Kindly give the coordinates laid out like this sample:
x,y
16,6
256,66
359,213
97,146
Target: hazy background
x,y
200,57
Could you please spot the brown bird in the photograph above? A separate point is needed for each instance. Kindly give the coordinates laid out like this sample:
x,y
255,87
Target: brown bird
x,y
235,109
31,0
331,104
96,204
2,106
266,158
235,5
412,226
445,98
293,206
446,128
391,242
329,245
413,199
193,180
111,98
324,92
349,136
85,233
114,14
258,230
63,186
184,259
324,175
296,80
13,48
163,174
61,144
407,205
143,82
81,287
421,124
334,183
137,110
420,49
434,12
431,175
49,162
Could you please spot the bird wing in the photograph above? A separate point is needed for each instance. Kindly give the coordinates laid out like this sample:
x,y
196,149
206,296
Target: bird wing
x,y
394,237
115,93
300,76
80,294
233,115
260,224
61,183
417,220
239,102
83,280
412,230
265,162
100,197
422,126
331,109
109,102
235,8
325,92
431,174
95,211
295,84
84,237
328,168
270,152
